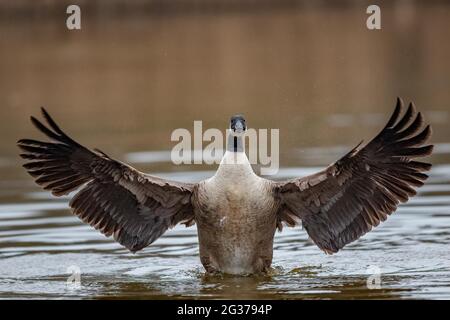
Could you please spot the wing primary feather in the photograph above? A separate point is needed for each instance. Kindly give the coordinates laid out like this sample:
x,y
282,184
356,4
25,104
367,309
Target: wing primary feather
x,y
112,196
347,199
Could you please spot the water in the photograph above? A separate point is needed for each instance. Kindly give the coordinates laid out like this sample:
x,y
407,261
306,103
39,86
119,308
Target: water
x,y
40,240
124,85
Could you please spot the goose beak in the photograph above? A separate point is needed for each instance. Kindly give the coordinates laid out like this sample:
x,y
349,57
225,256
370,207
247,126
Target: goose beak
x,y
237,125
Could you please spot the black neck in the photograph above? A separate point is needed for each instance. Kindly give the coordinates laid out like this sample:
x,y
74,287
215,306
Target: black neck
x,y
235,143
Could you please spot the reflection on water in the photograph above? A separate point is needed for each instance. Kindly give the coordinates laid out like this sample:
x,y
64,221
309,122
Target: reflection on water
x,y
39,240
123,85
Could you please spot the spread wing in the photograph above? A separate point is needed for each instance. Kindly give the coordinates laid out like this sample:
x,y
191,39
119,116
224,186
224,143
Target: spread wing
x,y
344,201
114,198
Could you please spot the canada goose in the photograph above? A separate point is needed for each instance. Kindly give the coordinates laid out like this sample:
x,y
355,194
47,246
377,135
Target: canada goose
x,y
236,211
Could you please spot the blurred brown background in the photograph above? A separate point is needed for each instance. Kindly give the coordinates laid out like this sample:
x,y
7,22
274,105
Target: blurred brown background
x,y
139,69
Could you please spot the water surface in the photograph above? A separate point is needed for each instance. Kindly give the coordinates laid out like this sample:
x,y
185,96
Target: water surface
x,y
123,85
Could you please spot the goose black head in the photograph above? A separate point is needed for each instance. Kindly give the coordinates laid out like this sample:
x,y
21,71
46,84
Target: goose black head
x,y
237,124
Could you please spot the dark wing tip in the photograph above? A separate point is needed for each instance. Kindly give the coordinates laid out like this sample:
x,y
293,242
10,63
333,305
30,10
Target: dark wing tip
x,y
34,120
395,115
41,127
405,119
52,122
46,115
430,130
20,142
428,149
